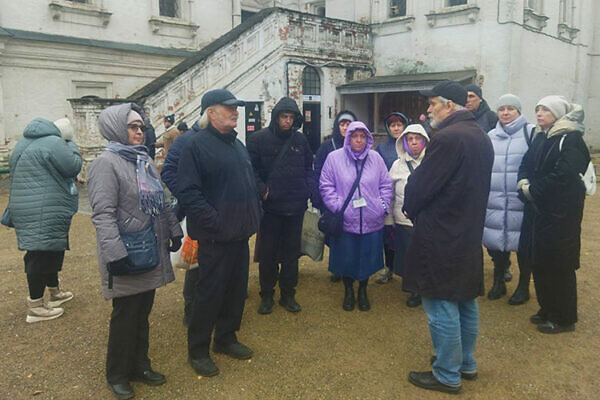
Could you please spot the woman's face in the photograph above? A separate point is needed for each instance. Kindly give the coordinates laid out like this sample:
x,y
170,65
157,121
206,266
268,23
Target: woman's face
x,y
135,133
507,114
415,143
396,129
343,125
545,118
358,140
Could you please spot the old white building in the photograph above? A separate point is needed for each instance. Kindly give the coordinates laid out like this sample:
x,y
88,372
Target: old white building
x,y
370,56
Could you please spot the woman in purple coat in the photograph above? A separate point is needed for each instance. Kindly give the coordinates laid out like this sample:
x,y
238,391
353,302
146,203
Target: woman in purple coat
x,y
356,254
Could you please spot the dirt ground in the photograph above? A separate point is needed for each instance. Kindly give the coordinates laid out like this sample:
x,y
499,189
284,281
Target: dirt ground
x,y
319,353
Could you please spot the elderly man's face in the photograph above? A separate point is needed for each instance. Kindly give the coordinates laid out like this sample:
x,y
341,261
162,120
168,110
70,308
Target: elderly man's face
x,y
473,101
223,118
438,111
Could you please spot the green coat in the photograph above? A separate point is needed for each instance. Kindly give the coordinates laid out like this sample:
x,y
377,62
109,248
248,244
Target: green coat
x,y
41,205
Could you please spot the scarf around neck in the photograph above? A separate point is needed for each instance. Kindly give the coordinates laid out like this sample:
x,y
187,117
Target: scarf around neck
x,y
151,193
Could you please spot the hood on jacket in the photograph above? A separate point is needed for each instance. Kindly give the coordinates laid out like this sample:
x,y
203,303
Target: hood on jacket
x,y
354,126
482,109
112,122
40,127
397,114
286,104
413,128
572,121
337,136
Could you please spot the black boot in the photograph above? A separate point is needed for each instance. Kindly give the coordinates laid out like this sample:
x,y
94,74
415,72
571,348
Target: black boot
x,y
499,288
414,300
363,300
266,304
288,301
521,295
348,304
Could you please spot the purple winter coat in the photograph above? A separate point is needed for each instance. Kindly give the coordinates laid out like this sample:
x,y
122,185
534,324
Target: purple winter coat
x,y
338,175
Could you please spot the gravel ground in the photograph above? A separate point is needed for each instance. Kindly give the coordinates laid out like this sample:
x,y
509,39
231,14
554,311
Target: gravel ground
x,y
319,353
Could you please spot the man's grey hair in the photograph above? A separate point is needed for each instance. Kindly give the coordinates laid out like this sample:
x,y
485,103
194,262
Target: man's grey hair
x,y
204,120
445,101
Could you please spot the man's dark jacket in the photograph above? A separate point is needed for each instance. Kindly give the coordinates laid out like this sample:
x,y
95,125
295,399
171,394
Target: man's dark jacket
x,y
169,170
150,138
291,182
485,117
330,143
216,187
446,198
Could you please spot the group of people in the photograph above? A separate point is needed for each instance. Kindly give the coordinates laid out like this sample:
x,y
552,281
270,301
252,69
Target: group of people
x,y
419,206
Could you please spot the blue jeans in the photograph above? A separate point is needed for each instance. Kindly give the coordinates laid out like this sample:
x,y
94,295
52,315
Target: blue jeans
x,y
454,327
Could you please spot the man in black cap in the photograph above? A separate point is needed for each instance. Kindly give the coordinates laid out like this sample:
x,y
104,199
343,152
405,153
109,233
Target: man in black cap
x,y
217,191
282,162
446,198
485,117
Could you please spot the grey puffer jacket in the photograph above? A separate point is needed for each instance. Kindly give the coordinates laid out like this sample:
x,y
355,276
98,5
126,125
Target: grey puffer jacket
x,y
115,202
41,204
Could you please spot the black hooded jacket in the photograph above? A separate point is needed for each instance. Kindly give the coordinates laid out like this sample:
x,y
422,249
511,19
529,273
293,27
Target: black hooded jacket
x,y
485,117
289,184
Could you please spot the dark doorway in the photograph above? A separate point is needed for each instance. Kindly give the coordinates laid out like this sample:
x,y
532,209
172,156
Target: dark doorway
x,y
312,124
253,119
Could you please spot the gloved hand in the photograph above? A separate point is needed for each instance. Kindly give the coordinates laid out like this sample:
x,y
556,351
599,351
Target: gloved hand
x,y
521,196
175,244
119,267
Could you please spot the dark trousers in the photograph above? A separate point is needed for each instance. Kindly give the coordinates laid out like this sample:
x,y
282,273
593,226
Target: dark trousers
x,y
388,246
189,288
128,337
220,294
42,269
280,238
501,260
556,291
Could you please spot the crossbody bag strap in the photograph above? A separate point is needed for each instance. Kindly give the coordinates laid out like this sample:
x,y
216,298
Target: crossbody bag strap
x,y
528,136
281,153
354,186
410,167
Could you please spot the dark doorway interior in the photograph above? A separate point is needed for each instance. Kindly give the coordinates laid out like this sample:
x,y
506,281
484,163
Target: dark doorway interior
x,y
312,124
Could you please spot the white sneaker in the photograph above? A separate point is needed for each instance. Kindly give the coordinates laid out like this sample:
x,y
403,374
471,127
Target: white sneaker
x,y
38,311
57,297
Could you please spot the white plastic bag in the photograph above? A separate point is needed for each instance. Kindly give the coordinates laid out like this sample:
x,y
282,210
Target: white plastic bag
x,y
176,259
313,240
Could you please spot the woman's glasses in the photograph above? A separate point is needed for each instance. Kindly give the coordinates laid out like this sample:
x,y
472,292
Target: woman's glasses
x,y
135,127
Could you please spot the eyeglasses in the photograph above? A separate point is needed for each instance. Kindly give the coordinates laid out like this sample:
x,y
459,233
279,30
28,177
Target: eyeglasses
x,y
135,127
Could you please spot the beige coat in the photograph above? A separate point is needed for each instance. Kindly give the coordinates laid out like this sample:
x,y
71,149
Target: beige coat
x,y
400,173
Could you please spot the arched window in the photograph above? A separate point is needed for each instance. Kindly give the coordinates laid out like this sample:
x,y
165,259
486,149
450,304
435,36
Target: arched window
x,y
311,84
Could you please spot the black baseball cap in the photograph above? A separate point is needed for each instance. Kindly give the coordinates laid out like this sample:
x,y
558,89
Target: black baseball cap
x,y
220,96
450,90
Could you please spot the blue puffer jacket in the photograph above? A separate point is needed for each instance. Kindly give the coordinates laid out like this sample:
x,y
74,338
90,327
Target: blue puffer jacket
x,y
504,210
41,204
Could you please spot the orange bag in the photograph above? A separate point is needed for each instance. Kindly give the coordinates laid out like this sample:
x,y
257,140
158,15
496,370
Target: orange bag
x,y
189,251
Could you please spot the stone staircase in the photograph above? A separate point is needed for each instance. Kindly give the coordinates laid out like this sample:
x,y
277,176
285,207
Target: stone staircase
x,y
260,60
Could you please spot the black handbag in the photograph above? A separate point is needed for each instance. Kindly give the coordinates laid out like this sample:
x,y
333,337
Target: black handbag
x,y
332,223
142,252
